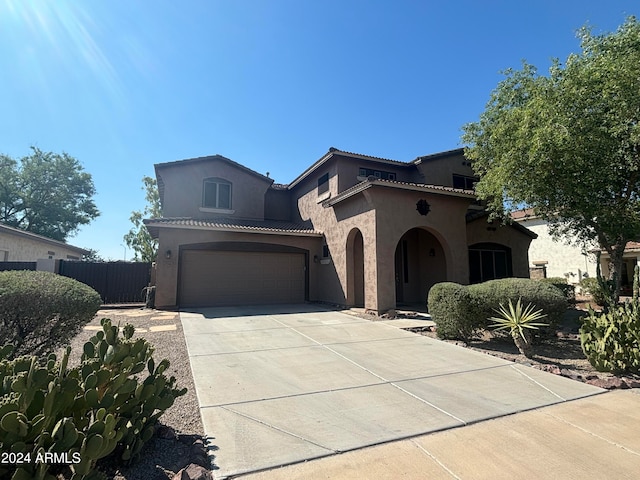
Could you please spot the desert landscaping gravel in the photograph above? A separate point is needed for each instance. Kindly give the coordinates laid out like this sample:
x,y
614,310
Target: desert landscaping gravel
x,y
172,448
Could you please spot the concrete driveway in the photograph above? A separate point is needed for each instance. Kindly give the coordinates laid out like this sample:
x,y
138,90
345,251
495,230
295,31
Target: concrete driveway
x,y
284,384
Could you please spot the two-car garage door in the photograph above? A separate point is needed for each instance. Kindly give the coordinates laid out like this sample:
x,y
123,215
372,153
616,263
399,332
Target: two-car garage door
x,y
214,278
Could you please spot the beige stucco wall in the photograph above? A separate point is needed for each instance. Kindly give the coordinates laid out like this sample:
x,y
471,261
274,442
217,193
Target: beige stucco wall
x,y
19,248
174,238
479,231
440,170
563,259
383,215
183,187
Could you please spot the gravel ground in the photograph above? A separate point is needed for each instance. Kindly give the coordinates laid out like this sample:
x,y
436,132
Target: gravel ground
x,y
161,457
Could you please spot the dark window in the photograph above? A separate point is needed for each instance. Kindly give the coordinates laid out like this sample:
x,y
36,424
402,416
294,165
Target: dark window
x,y
370,172
465,183
216,194
488,261
323,184
325,251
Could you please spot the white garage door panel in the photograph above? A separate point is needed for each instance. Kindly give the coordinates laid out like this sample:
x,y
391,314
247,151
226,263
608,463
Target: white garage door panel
x,y
210,278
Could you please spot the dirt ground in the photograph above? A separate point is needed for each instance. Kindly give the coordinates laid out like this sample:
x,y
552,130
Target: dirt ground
x,y
560,354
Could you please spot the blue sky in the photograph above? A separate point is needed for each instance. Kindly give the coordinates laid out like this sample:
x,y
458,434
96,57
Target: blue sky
x,y
272,84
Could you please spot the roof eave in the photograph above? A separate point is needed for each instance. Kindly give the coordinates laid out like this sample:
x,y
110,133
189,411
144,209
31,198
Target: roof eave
x,y
412,187
157,225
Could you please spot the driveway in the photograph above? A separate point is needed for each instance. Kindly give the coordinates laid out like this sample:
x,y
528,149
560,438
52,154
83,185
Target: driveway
x,y
284,384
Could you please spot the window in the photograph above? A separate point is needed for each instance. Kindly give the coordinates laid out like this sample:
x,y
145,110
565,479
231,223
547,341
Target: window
x,y
216,194
323,184
488,261
465,183
369,172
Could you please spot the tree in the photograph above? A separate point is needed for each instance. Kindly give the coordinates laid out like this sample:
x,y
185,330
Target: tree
x,y
568,144
46,193
139,239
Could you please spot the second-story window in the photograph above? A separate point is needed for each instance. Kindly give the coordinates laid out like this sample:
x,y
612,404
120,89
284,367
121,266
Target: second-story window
x,y
464,182
216,193
323,184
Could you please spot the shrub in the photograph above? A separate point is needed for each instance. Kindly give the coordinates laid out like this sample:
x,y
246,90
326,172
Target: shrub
x,y
597,290
518,321
611,341
102,407
488,296
569,291
40,311
452,310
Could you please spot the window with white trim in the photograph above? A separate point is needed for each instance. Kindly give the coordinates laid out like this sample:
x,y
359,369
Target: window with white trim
x,y
216,193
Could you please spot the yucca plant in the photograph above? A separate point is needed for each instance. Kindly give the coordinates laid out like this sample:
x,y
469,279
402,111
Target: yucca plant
x,y
519,321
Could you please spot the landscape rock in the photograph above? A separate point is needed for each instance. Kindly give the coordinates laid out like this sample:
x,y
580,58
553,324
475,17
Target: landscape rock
x,y
608,382
193,472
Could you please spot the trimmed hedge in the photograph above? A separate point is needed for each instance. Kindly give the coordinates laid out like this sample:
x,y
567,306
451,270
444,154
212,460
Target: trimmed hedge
x,y
42,311
489,295
461,311
569,291
451,307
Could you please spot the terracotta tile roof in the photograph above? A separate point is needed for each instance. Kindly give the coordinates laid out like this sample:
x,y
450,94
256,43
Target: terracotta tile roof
x,y
211,158
522,214
471,216
232,224
371,181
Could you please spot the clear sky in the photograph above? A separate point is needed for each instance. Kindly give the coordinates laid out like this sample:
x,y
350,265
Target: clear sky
x,y
272,84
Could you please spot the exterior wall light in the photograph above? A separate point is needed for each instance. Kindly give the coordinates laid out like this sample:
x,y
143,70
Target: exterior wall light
x,y
167,254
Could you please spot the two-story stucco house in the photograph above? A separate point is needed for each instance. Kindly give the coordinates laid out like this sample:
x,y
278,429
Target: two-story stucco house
x,y
352,230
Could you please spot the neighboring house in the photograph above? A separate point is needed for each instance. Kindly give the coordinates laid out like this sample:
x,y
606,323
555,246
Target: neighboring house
x,y
630,258
351,229
556,257
21,246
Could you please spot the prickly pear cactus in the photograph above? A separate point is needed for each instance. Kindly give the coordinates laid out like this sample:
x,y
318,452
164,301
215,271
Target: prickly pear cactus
x,y
104,406
611,340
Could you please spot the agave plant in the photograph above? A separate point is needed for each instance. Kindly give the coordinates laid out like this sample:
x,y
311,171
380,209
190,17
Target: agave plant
x,y
519,321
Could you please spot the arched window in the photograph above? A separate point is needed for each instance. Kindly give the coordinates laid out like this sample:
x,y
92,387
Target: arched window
x,y
488,261
216,193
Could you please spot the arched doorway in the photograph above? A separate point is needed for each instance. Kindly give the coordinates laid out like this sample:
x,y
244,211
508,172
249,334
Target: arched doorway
x,y
419,264
355,268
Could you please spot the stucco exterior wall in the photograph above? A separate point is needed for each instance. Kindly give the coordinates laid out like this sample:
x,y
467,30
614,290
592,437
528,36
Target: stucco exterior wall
x,y
183,190
479,231
19,248
383,215
563,259
440,170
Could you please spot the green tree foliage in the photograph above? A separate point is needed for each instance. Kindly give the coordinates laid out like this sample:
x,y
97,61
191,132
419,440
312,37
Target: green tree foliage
x,y
138,239
46,193
568,144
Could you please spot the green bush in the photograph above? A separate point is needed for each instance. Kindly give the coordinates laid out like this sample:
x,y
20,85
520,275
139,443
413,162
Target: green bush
x,y
592,287
569,291
488,296
452,310
40,311
104,407
611,341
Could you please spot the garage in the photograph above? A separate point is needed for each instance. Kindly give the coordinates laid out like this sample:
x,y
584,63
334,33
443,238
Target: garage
x,y
223,277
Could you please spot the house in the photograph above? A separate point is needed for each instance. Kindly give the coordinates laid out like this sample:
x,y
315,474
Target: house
x,y
21,246
630,258
351,229
551,257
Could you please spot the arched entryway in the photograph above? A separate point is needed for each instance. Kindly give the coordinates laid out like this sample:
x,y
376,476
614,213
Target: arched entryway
x,y
419,264
355,268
